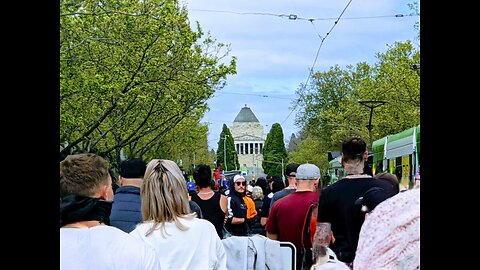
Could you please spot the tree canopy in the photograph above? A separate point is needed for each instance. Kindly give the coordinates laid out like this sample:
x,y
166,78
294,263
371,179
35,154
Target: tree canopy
x,y
133,76
274,151
231,155
330,108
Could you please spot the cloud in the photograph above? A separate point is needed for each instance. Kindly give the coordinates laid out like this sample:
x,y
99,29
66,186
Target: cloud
x,y
275,54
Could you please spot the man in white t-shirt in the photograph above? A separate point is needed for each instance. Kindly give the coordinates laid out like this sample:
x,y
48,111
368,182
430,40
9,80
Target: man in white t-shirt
x,y
86,239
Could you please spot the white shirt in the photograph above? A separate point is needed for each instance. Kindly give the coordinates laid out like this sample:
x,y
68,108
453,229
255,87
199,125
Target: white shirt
x,y
104,247
199,247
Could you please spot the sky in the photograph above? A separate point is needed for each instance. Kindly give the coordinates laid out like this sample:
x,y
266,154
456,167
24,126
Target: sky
x,y
276,52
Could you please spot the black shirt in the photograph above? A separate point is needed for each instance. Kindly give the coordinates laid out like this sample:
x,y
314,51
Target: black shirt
x,y
212,211
337,206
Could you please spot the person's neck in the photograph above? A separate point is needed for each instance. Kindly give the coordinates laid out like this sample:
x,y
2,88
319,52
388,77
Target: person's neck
x,y
353,169
84,224
133,182
305,185
205,190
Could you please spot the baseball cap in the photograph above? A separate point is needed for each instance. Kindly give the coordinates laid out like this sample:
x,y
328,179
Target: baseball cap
x,y
191,186
372,198
237,177
308,172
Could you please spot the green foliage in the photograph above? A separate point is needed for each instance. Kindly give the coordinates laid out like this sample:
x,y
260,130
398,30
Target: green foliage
x,y
293,143
133,76
230,153
307,152
274,151
330,109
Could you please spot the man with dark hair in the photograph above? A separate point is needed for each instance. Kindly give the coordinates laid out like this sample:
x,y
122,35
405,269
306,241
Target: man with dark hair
x,y
290,174
212,203
126,209
337,202
86,240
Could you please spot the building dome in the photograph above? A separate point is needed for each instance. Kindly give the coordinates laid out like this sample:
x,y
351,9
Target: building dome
x,y
246,115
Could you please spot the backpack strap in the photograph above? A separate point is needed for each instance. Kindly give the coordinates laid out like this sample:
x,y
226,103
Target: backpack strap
x,y
308,231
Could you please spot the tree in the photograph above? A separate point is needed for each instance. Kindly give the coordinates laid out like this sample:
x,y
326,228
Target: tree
x,y
330,110
293,143
307,152
231,162
274,152
132,73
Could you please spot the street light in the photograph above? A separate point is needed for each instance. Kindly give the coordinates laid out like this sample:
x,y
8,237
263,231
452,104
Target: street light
x,y
372,104
225,151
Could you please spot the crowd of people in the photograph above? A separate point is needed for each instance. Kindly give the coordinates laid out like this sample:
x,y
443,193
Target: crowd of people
x,y
156,220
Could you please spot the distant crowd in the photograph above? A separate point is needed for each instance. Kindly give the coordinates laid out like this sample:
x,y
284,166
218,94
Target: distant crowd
x,y
155,218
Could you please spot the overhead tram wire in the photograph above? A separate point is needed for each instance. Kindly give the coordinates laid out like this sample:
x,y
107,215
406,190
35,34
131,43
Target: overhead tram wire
x,y
316,57
296,17
246,94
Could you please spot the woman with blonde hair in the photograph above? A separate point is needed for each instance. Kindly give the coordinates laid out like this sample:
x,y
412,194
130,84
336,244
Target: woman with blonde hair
x,y
180,240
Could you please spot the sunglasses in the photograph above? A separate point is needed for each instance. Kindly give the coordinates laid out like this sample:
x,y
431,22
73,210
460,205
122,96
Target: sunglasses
x,y
242,183
292,175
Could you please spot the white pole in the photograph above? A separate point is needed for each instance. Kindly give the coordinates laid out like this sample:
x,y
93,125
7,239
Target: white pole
x,y
225,152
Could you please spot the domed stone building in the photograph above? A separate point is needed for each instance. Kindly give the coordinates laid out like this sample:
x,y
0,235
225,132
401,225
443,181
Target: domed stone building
x,y
249,138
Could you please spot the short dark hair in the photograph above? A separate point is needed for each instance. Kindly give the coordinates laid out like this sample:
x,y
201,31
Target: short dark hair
x,y
277,185
203,175
133,168
292,167
353,149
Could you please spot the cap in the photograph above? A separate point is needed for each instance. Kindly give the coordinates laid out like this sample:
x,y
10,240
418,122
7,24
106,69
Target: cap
x,y
190,186
249,188
238,176
308,172
372,198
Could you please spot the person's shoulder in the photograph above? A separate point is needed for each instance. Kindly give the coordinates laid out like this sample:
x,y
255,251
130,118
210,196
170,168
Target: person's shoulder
x,y
203,224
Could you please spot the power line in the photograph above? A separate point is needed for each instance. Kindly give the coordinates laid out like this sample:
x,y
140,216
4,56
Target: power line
x,y
295,17
258,95
316,56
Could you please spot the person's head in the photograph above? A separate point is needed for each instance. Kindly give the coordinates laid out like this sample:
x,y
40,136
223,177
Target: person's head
x,y
132,172
373,197
308,175
133,168
239,184
354,149
257,193
249,189
86,175
203,176
277,184
391,179
290,174
262,183
164,194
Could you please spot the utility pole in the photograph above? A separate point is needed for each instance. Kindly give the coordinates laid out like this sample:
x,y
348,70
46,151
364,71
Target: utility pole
x,y
225,151
283,174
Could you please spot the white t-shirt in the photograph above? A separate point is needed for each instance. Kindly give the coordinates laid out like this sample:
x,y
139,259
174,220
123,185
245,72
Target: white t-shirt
x,y
199,247
104,247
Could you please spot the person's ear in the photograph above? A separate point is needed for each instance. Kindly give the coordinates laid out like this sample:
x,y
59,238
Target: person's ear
x,y
365,155
120,180
106,192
